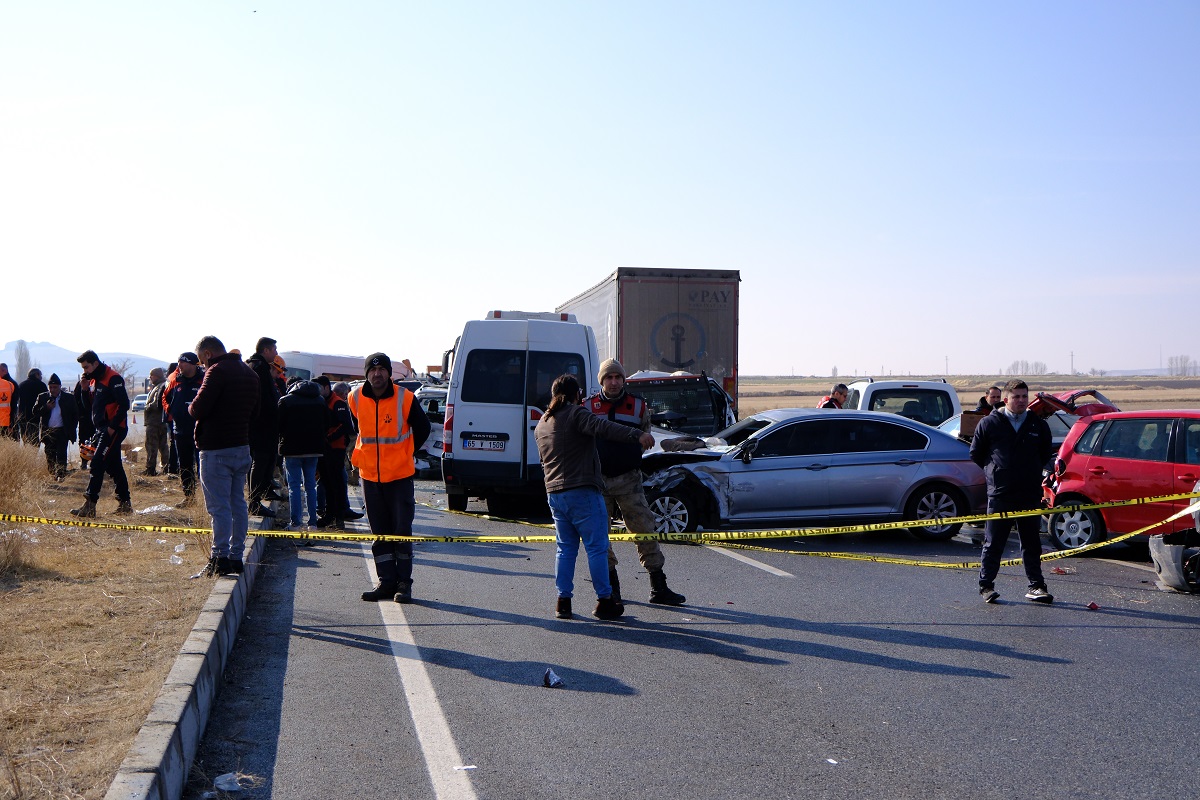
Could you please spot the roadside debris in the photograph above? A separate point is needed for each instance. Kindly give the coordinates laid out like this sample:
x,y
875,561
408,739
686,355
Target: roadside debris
x,y
551,680
1093,607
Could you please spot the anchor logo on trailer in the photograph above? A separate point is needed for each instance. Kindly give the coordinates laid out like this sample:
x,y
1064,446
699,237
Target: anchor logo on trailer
x,y
684,339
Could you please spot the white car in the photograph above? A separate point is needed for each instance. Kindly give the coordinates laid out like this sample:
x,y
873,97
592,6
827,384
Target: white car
x,y
931,402
139,403
433,403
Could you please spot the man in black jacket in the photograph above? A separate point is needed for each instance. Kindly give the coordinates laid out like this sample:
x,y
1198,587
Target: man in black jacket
x,y
109,414
223,407
56,414
264,429
27,394
303,419
1012,445
181,390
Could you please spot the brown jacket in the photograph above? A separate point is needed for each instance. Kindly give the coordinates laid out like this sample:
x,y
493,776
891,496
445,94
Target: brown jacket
x,y
566,444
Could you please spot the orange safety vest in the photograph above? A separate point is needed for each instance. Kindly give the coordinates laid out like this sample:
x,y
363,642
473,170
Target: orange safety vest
x,y
383,451
6,403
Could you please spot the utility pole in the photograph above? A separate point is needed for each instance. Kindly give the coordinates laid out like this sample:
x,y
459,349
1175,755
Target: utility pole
x,y
947,365
1072,362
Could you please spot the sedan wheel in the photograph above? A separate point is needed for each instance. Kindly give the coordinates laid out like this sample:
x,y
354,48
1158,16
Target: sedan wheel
x,y
673,513
934,503
1070,529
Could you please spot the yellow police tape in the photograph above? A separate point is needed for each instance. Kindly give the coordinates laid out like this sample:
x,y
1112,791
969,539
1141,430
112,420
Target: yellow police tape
x,y
718,538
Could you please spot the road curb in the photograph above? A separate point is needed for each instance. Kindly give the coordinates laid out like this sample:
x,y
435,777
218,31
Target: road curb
x,y
156,766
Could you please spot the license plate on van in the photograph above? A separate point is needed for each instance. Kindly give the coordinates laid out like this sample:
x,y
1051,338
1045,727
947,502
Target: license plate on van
x,y
483,444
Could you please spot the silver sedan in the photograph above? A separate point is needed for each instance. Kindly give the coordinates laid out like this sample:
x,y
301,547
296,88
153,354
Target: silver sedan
x,y
811,465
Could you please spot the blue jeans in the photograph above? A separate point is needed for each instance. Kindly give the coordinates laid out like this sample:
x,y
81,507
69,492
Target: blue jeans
x,y
223,479
302,478
580,514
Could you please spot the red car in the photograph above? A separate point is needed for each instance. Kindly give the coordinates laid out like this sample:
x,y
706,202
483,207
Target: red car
x,y
1122,456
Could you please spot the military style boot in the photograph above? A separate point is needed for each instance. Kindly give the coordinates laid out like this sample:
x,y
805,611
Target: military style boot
x,y
403,592
88,509
616,585
607,609
124,507
386,590
660,593
563,609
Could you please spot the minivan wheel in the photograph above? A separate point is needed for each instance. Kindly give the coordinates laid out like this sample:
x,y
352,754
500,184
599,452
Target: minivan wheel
x,y
933,503
1070,529
456,502
674,512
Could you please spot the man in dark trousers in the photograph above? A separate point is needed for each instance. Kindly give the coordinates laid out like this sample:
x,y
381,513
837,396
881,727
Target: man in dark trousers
x,y
109,413
1012,445
392,426
56,414
181,390
27,394
339,434
264,429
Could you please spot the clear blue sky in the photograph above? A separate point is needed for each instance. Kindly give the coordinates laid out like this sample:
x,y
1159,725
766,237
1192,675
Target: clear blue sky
x,y
902,185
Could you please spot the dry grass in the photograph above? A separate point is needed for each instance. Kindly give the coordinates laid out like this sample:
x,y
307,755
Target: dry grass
x,y
93,619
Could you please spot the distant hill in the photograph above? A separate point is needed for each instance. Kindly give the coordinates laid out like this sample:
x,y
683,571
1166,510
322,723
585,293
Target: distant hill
x,y
51,358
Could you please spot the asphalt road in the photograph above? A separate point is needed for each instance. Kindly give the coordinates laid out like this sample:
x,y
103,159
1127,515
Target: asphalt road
x,y
784,676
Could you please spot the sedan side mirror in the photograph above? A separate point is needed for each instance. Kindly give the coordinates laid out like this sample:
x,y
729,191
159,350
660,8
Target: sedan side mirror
x,y
748,448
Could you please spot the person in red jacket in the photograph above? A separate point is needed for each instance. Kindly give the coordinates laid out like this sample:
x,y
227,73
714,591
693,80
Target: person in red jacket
x,y
110,404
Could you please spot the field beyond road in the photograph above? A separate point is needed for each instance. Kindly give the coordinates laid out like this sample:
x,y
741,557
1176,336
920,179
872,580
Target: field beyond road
x,y
759,393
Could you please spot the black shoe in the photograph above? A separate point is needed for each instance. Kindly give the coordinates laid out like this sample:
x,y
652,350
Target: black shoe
x,y
563,609
615,583
236,566
259,510
1039,594
660,593
607,609
213,567
386,590
124,507
352,514
989,594
403,593
326,522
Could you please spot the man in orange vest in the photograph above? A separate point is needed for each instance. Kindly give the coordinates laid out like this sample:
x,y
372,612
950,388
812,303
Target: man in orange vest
x,y
8,390
391,426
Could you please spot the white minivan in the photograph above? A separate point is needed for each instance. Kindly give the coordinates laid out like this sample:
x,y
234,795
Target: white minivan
x,y
500,370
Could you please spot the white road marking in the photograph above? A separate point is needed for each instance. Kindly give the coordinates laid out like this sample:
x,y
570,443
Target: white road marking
x,y
736,556
1147,567
450,781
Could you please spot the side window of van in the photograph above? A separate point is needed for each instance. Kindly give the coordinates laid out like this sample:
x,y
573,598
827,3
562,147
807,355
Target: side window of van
x,y
494,376
544,368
